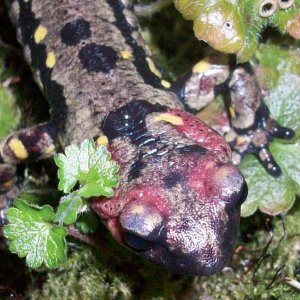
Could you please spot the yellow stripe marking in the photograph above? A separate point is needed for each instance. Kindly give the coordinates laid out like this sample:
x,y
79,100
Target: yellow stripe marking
x,y
50,149
8,184
165,83
202,66
40,34
153,68
126,54
138,209
51,60
102,140
231,112
241,140
18,148
175,120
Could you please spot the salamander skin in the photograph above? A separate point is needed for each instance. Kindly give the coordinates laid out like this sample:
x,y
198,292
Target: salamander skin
x,y
178,201
252,125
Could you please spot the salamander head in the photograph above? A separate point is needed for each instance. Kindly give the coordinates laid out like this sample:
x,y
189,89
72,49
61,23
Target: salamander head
x,y
179,197
182,213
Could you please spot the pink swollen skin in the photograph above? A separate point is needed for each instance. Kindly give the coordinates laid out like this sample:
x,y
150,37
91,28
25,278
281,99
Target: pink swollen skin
x,y
182,211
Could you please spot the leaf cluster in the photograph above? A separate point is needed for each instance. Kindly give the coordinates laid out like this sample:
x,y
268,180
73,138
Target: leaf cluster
x,y
37,232
277,195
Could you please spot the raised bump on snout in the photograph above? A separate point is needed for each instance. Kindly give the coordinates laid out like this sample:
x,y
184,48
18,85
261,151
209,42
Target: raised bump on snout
x,y
141,219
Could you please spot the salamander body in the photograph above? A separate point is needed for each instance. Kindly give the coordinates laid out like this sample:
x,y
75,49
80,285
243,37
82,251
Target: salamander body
x,y
178,201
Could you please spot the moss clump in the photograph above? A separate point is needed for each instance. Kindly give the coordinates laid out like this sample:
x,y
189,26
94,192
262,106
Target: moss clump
x,y
84,276
88,274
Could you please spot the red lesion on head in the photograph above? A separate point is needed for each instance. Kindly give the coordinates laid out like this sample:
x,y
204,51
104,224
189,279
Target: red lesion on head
x,y
205,136
214,181
200,176
110,209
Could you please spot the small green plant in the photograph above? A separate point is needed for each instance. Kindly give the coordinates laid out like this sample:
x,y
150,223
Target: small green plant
x,y
38,232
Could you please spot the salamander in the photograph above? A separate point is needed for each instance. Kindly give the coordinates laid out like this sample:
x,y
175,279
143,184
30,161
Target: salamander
x,y
179,197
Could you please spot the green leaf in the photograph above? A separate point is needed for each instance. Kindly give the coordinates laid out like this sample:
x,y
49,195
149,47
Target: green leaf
x,y
266,193
288,157
87,222
68,209
284,101
32,234
269,194
89,165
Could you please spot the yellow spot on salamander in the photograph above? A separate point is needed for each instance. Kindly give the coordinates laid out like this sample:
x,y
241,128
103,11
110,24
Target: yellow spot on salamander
x,y
40,34
18,148
51,60
175,120
153,68
241,140
102,140
8,184
138,209
202,66
231,112
165,83
50,150
126,54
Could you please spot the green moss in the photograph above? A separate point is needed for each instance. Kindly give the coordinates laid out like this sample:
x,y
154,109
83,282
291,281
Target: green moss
x,y
9,113
84,276
89,275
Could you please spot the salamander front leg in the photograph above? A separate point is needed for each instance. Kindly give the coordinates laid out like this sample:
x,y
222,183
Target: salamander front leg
x,y
203,82
253,127
32,143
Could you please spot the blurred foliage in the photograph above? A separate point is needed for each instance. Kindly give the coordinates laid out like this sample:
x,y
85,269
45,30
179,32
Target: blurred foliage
x,y
236,26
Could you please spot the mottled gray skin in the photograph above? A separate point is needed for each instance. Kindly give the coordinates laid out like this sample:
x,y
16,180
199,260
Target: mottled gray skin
x,y
84,106
178,201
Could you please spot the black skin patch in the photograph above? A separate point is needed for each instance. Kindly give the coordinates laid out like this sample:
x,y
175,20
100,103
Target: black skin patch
x,y
136,168
98,58
76,31
172,179
53,91
129,120
138,51
192,149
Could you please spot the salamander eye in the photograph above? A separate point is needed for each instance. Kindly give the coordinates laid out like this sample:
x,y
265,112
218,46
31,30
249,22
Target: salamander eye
x,y
284,4
267,8
137,242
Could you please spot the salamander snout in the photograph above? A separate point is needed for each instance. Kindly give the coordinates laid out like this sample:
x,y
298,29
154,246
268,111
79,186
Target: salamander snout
x,y
192,226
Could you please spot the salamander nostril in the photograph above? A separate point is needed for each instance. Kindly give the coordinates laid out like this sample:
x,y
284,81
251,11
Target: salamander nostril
x,y
182,264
